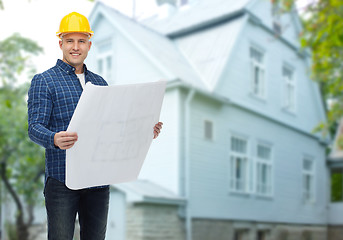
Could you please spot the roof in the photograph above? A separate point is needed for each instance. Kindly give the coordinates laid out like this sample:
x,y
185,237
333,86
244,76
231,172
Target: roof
x,y
152,44
146,191
199,13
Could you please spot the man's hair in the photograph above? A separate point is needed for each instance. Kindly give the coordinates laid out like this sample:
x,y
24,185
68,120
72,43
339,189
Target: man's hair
x,y
62,36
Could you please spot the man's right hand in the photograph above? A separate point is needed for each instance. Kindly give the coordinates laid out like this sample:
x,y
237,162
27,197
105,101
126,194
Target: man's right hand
x,y
65,140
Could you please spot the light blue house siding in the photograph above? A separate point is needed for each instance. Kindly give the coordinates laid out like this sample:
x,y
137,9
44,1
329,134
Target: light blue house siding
x,y
211,196
194,157
128,64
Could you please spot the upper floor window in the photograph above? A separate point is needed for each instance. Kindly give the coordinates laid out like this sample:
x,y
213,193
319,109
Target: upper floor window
x,y
289,81
257,72
239,164
104,60
308,180
264,170
276,14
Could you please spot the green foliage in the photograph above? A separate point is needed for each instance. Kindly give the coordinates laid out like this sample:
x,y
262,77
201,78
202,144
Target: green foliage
x,y
324,36
11,231
337,185
15,53
21,161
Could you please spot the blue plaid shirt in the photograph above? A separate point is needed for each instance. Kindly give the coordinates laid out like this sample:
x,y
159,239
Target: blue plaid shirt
x,y
52,99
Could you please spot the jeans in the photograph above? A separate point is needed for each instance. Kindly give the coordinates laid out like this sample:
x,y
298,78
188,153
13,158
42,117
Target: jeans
x,y
62,204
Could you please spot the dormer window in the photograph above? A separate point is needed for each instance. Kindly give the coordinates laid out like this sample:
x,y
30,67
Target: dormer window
x,y
257,72
276,14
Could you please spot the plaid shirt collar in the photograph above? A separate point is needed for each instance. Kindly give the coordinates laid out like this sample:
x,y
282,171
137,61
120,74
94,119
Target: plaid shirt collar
x,y
68,69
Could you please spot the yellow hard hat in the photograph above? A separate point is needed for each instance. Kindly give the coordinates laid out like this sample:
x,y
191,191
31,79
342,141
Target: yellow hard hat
x,y
74,22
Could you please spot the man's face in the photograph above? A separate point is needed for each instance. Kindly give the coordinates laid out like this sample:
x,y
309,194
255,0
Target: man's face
x,y
75,47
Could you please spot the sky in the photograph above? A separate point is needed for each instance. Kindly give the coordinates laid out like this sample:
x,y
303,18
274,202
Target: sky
x,y
39,20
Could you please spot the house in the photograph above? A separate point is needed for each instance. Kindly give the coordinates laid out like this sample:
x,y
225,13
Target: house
x,y
237,158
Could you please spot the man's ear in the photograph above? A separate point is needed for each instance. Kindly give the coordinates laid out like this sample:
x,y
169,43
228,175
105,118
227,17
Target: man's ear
x,y
60,43
90,44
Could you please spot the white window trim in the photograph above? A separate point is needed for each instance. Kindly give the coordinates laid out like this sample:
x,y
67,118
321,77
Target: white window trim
x,y
262,93
247,188
292,83
269,163
313,174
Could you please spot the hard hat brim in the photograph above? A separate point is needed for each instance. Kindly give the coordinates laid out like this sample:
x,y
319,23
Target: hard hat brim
x,y
60,34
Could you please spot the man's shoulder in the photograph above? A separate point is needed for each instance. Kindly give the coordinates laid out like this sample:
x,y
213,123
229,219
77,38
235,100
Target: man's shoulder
x,y
47,74
96,79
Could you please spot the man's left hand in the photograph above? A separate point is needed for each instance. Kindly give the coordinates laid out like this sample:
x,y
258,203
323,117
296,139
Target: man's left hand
x,y
157,129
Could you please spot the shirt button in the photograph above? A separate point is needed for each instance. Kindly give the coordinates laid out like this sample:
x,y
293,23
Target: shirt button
x,y
67,71
73,69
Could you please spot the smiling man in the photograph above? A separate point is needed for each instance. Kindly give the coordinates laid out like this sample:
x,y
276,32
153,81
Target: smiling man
x,y
52,99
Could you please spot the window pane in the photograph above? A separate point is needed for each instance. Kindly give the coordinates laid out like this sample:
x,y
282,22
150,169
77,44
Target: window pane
x,y
109,62
263,152
307,164
100,66
256,55
238,145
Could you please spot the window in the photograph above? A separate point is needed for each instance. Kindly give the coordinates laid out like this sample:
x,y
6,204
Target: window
x,y
208,130
308,180
337,185
238,165
257,73
241,234
276,13
288,76
104,60
263,234
264,170
105,67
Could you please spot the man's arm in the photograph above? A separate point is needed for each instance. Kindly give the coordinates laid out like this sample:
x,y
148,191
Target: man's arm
x,y
39,105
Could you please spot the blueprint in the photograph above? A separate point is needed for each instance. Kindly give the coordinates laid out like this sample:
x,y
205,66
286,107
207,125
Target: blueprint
x,y
115,130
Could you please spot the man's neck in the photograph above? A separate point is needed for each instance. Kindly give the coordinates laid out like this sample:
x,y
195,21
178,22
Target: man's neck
x,y
78,69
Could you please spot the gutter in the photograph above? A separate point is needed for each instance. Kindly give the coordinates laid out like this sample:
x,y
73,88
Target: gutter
x,y
177,83
187,131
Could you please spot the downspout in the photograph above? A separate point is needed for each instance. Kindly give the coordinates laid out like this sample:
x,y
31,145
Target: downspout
x,y
187,131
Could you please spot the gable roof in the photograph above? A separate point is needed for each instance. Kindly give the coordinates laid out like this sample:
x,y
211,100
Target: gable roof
x,y
199,14
209,51
152,44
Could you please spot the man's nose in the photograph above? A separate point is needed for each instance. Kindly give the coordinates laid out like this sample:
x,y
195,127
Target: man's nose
x,y
76,46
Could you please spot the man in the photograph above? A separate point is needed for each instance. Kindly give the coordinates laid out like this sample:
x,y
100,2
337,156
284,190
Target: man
x,y
52,99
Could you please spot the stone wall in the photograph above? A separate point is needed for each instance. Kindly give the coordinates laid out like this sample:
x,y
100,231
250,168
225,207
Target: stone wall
x,y
153,222
335,232
204,229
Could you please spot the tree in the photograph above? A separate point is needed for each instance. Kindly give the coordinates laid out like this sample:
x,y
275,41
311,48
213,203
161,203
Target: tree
x,y
323,36
21,161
